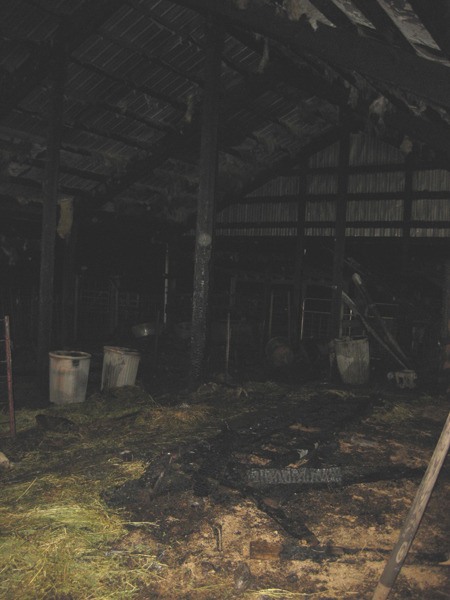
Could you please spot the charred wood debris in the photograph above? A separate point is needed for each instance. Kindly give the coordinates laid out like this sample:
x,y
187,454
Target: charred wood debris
x,y
268,457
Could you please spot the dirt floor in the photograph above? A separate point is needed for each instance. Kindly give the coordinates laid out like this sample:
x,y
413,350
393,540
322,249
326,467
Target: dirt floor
x,y
254,489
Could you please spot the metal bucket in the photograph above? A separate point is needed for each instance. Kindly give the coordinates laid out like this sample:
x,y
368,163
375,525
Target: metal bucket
x,y
352,357
279,352
120,366
69,372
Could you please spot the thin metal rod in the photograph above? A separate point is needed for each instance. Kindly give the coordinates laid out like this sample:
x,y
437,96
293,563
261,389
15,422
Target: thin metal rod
x,y
412,522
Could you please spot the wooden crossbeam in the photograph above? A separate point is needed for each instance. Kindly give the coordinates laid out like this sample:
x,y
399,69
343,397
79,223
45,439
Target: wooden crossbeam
x,y
72,32
373,58
384,25
286,66
333,13
435,16
130,83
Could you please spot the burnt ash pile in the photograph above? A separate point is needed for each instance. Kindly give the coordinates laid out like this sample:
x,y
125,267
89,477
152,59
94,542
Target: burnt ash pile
x,y
269,455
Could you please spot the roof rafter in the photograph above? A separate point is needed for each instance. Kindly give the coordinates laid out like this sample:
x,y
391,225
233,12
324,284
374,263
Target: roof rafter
x,y
435,16
333,13
72,32
180,144
288,67
156,60
371,57
374,12
132,85
91,130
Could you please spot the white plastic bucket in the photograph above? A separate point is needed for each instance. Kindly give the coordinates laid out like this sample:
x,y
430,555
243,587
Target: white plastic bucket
x,y
69,372
352,357
120,367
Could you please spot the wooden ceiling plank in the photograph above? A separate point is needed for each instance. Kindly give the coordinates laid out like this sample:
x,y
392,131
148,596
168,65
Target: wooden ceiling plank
x,y
73,31
371,57
67,169
306,79
398,119
180,144
91,130
329,137
435,17
34,185
120,111
384,25
333,13
132,85
156,60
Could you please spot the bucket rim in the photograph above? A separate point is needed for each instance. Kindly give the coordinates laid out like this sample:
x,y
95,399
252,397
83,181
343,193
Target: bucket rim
x,y
70,354
356,338
121,350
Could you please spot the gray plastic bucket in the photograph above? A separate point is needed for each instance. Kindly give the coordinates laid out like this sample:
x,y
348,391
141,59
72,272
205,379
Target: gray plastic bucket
x,y
352,357
69,372
120,367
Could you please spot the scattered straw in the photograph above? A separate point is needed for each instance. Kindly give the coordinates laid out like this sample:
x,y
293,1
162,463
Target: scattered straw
x,y
391,414
279,593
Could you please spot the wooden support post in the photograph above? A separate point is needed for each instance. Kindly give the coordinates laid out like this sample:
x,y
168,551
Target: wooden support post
x,y
206,198
407,214
445,335
299,251
166,284
412,522
339,238
50,189
68,281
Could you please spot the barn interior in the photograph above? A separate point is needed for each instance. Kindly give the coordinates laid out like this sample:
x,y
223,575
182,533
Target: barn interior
x,y
248,202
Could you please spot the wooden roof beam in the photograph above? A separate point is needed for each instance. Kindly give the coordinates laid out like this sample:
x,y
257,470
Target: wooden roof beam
x,y
67,169
156,60
73,31
435,16
180,144
329,137
91,130
372,58
120,111
334,14
384,25
132,85
30,139
32,185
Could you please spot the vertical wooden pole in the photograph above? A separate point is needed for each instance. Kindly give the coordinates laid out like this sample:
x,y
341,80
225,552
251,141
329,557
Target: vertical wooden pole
x,y
445,334
407,214
166,284
206,198
68,284
9,376
299,251
416,512
50,189
339,237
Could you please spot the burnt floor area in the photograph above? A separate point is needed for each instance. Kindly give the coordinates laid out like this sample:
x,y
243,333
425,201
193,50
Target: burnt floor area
x,y
306,483
262,482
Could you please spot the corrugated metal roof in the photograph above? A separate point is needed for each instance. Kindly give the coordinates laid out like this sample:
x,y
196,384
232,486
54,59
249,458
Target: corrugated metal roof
x,y
431,180
365,150
134,89
431,210
377,182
